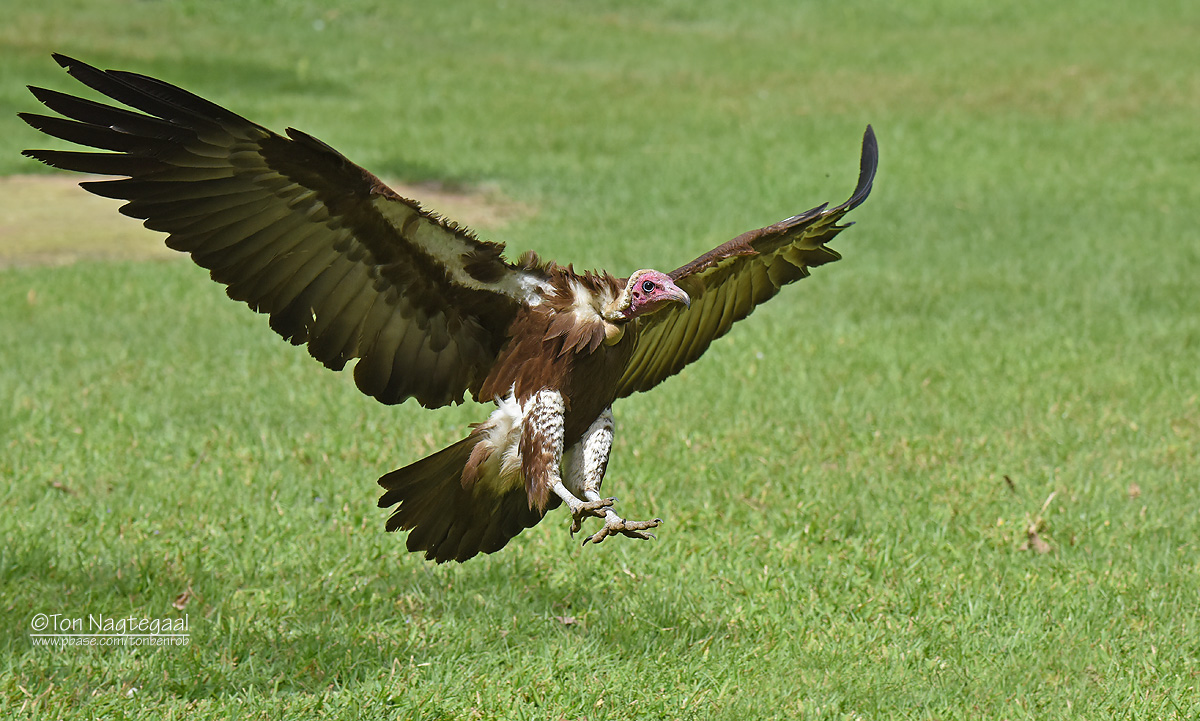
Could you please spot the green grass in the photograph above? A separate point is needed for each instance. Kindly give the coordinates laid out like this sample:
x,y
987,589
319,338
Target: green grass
x,y
1018,300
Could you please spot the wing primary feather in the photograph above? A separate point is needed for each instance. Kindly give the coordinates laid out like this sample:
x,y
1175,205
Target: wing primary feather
x,y
868,164
149,95
97,163
96,136
119,119
150,191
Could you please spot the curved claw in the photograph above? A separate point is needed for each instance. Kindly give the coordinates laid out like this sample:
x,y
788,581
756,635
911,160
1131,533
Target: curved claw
x,y
632,529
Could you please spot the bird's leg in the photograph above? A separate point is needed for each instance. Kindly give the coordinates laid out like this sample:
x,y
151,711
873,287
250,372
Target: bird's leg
x,y
542,455
541,448
587,463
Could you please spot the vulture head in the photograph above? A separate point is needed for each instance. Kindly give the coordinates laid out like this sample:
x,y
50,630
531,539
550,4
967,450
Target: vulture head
x,y
646,292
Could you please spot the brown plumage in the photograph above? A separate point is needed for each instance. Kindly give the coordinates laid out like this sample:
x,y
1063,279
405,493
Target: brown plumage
x,y
344,265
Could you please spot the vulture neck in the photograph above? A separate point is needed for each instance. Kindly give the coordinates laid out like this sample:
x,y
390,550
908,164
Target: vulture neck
x,y
614,318
591,309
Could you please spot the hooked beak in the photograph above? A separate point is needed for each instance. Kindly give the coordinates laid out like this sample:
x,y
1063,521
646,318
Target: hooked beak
x,y
678,295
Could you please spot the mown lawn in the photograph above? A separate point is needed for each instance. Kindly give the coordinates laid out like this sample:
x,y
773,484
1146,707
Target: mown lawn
x,y
953,476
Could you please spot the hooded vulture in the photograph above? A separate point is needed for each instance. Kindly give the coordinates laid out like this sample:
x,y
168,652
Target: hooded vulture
x,y
343,264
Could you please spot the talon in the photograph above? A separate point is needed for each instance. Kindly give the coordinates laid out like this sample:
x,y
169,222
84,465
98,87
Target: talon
x,y
595,508
633,529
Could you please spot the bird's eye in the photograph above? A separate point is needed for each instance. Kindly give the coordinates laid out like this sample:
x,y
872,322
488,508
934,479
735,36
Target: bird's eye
x,y
648,286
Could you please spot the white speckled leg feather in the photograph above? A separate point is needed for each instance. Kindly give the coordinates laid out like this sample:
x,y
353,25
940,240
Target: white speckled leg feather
x,y
587,460
586,463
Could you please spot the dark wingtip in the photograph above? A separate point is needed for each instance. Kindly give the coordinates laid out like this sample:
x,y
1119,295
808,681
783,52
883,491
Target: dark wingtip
x,y
66,61
868,164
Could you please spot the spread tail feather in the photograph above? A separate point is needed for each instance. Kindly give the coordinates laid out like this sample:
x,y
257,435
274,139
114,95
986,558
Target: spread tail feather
x,y
445,520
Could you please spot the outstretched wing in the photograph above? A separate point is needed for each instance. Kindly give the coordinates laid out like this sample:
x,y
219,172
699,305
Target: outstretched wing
x,y
728,282
337,259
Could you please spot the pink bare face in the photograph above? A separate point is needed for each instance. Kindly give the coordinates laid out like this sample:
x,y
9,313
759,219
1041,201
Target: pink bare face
x,y
650,290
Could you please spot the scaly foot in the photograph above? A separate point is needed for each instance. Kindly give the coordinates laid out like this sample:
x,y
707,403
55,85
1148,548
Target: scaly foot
x,y
598,508
614,524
